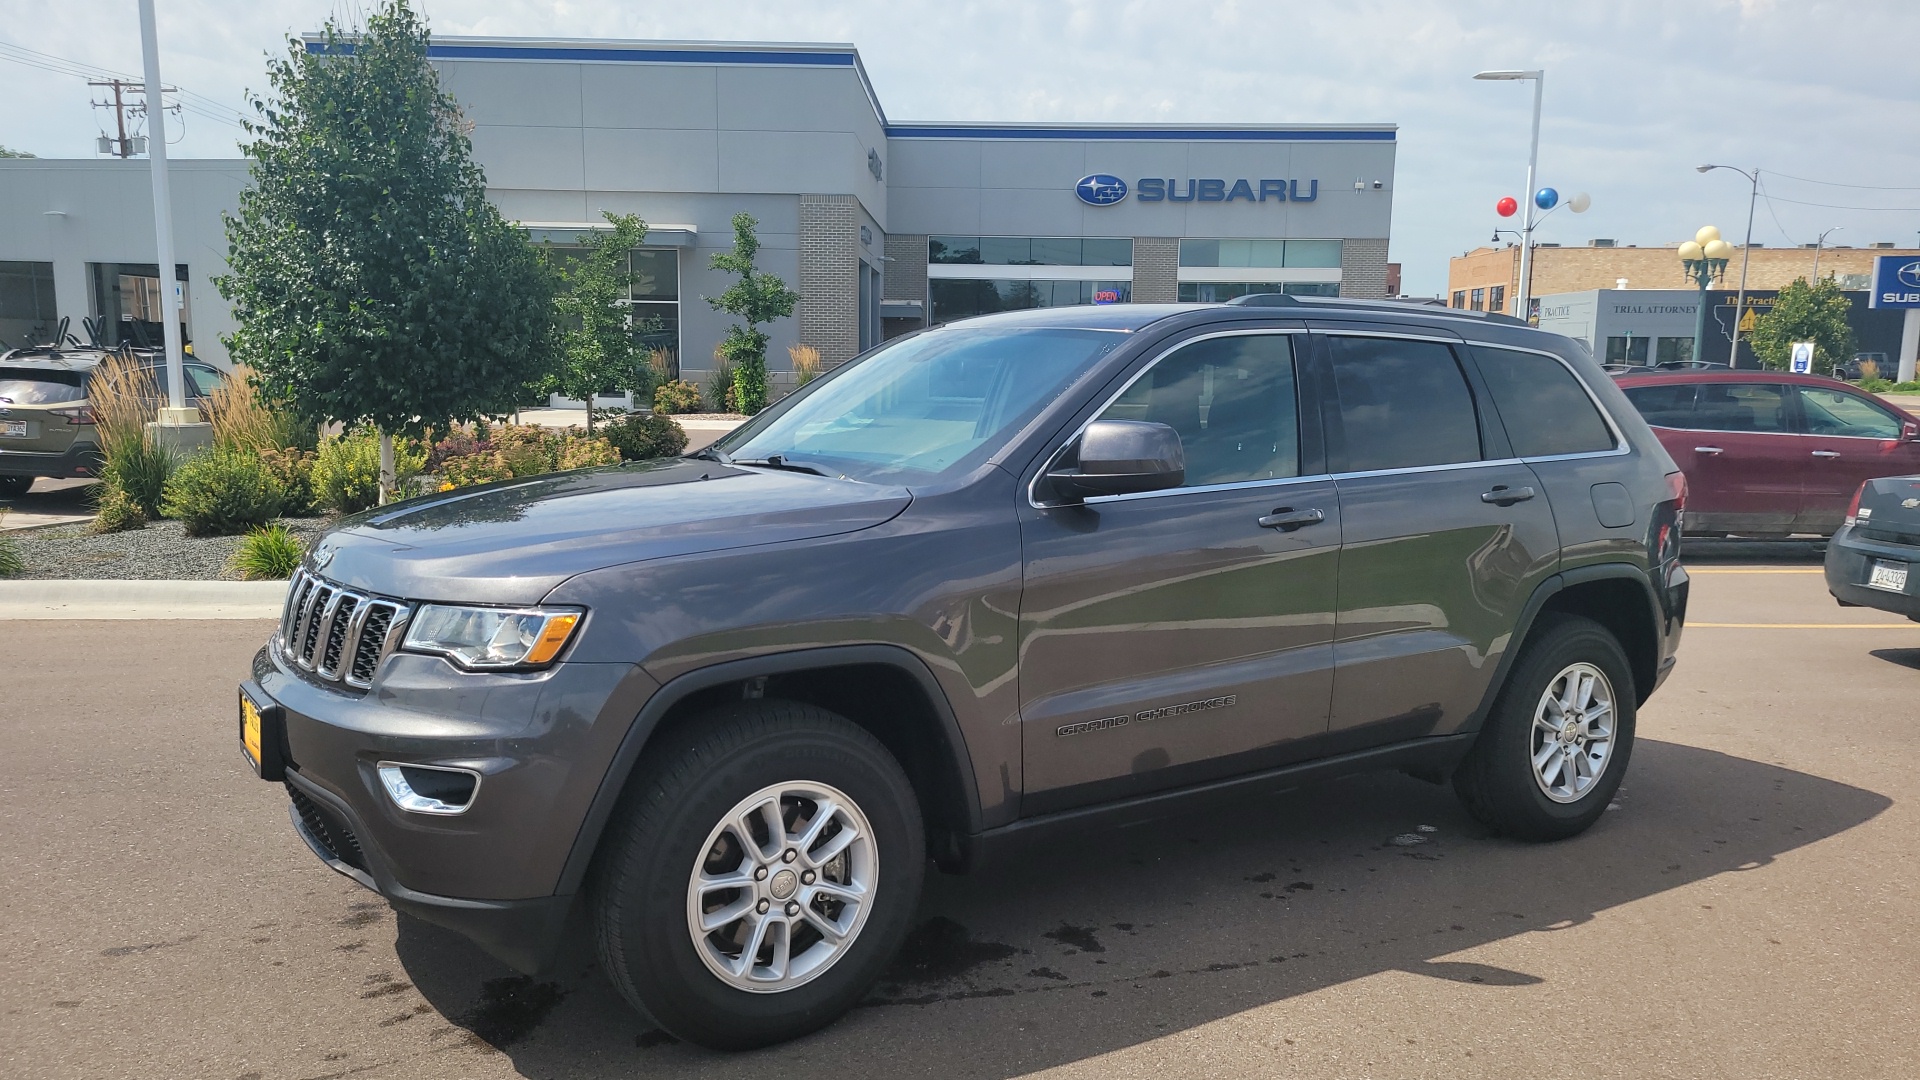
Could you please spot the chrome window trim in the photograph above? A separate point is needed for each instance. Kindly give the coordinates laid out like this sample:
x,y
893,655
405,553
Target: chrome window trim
x,y
1033,499
1445,466
1238,485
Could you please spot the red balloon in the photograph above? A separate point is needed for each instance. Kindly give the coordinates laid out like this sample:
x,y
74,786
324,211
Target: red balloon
x,y
1507,206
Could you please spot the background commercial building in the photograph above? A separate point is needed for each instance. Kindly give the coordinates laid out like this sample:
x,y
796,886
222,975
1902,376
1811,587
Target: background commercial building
x,y
1487,278
1655,326
881,226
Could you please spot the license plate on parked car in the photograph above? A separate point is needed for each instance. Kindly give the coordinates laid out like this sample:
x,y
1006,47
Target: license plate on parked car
x,y
13,429
250,730
1891,576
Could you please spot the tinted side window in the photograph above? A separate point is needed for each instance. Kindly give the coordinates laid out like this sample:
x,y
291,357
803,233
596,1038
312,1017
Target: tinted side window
x,y
204,380
1836,412
1402,404
1668,404
1232,401
1543,405
1759,407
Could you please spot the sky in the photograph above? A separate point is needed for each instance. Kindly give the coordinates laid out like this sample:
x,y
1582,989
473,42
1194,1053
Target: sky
x,y
1822,97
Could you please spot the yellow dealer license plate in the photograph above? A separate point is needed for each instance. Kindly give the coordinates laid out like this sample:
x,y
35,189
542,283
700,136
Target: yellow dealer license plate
x,y
250,730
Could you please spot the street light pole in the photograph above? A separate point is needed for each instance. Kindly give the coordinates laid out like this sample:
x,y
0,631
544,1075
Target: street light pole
x,y
1523,290
163,223
1746,253
1817,244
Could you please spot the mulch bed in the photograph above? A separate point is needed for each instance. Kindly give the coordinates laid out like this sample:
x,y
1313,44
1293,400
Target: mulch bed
x,y
162,550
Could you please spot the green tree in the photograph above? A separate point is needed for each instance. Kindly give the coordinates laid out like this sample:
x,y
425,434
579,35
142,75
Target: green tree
x,y
10,153
757,298
1803,312
371,280
599,343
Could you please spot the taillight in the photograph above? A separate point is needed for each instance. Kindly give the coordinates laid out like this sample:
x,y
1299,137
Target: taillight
x,y
1677,490
79,415
1853,507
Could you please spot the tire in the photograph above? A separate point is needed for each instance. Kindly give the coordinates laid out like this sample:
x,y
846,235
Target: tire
x,y
1498,780
684,814
13,486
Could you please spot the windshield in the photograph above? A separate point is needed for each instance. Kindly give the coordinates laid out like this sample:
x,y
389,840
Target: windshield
x,y
920,407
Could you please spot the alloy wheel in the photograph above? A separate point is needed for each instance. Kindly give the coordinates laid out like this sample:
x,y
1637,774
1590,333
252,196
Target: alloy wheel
x,y
1573,727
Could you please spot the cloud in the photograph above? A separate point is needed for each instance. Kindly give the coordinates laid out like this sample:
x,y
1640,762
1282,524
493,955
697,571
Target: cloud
x,y
1637,92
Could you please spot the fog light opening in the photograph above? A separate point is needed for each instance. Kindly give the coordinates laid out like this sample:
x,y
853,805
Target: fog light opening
x,y
429,789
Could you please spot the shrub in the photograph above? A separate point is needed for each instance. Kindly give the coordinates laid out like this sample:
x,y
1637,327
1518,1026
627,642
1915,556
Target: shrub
x,y
458,443
640,436
806,363
243,420
661,360
1911,386
294,470
484,468
267,554
123,396
346,472
678,396
222,493
1869,371
117,512
585,453
720,394
12,563
1875,385
139,469
527,449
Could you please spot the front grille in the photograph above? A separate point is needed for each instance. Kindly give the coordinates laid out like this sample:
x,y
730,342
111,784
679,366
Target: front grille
x,y
328,829
338,635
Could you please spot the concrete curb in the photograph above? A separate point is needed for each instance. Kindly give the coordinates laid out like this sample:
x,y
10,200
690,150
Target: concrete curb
x,y
93,598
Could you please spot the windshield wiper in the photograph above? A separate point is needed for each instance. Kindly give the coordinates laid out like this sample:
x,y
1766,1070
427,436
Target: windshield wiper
x,y
775,461
708,453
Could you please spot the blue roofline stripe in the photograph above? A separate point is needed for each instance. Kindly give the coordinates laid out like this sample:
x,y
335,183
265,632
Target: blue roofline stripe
x,y
633,56
916,131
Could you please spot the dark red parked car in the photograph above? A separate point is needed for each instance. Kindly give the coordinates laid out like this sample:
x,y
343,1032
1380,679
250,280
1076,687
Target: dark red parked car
x,y
1768,453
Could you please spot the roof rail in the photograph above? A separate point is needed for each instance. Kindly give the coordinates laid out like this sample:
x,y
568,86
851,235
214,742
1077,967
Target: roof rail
x,y
1290,300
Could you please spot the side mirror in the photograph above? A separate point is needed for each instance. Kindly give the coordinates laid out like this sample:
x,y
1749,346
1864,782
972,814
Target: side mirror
x,y
1909,431
1121,457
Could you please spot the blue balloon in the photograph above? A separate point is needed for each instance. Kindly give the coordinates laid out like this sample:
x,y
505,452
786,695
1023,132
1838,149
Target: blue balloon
x,y
1545,198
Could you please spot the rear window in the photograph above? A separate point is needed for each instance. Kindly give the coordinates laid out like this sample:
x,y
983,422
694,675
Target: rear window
x,y
1402,404
34,386
1545,409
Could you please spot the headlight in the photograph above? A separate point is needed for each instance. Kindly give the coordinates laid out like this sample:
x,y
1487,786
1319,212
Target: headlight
x,y
484,638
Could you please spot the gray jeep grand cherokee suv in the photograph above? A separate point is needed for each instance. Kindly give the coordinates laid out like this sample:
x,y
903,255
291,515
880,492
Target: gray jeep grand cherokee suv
x,y
988,582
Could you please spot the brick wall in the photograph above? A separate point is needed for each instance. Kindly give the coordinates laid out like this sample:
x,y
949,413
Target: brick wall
x,y
1577,269
1363,269
905,277
829,289
1156,269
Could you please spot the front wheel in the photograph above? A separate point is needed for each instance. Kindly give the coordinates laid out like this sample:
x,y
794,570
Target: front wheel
x,y
1556,745
761,875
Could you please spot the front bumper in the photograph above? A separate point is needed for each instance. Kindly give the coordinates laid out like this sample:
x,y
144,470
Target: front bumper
x,y
1850,558
541,742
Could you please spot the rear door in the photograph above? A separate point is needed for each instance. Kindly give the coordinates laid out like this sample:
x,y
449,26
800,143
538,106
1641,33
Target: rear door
x,y
1735,442
1173,637
1445,535
1849,440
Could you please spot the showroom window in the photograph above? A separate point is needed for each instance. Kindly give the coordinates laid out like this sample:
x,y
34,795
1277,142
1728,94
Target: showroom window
x,y
127,302
1030,250
1274,254
958,298
1219,292
27,310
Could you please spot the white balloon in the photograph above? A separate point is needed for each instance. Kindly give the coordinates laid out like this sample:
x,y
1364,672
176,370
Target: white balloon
x,y
1579,203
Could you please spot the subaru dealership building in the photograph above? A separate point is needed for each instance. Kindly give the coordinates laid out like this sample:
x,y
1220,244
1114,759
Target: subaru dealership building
x,y
882,226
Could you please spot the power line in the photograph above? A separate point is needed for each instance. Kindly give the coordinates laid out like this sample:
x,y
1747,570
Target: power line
x,y
197,104
1837,206
1836,183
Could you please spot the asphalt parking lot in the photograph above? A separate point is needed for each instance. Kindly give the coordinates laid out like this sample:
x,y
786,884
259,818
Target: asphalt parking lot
x,y
1748,910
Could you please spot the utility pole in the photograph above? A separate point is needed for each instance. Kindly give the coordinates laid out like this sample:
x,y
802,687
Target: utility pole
x,y
179,428
122,146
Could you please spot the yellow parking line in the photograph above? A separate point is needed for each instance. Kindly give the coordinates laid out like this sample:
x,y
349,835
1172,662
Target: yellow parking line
x,y
1753,570
1803,626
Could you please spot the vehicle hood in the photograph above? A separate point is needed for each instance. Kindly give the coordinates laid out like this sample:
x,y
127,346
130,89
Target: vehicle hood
x,y
1891,504
511,543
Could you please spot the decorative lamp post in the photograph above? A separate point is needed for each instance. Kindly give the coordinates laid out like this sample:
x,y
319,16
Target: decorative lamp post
x,y
1746,251
1702,259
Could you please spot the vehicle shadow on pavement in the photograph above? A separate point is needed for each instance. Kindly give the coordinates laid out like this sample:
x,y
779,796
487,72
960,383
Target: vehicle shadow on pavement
x,y
1107,941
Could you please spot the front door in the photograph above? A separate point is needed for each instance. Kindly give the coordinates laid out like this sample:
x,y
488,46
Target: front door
x,y
1172,637
1848,440
1445,537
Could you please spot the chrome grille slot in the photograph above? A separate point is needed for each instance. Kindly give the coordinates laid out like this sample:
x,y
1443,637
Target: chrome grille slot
x,y
337,634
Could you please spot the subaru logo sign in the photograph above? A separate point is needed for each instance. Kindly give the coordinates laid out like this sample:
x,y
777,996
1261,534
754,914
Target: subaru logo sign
x,y
1896,283
1908,275
1100,189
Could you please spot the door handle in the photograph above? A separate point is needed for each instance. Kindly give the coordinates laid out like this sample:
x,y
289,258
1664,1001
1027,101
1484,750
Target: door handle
x,y
1502,495
1707,450
1287,519
1826,453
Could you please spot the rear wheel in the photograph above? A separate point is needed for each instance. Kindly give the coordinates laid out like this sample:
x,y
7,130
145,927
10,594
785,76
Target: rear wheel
x,y
760,877
11,486
1556,745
